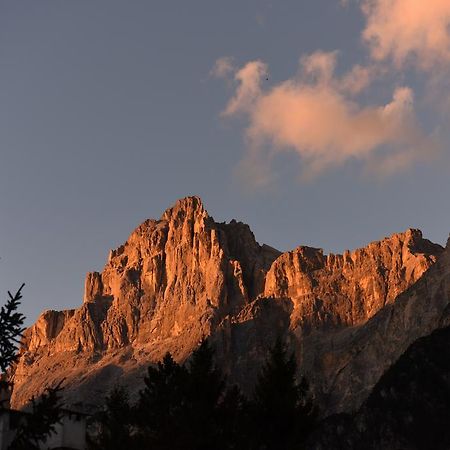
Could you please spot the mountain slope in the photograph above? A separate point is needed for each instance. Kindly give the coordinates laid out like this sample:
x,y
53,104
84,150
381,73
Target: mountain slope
x,y
347,364
185,276
409,407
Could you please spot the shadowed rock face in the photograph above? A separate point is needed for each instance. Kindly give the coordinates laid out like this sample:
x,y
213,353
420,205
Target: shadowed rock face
x,y
185,276
349,362
409,407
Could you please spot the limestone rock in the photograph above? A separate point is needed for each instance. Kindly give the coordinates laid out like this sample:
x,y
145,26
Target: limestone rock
x,y
184,277
165,288
348,363
346,290
408,409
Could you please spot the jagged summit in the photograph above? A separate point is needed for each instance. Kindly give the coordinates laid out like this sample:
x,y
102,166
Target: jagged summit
x,y
186,276
187,205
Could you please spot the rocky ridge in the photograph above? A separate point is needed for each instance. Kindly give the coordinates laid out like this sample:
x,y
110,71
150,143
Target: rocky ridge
x,y
185,276
350,362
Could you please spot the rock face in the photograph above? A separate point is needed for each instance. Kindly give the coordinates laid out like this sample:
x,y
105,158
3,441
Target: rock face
x,y
346,290
347,363
185,276
165,288
394,416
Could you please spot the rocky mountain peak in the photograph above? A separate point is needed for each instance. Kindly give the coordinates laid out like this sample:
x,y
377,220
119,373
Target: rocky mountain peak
x,y
191,207
185,276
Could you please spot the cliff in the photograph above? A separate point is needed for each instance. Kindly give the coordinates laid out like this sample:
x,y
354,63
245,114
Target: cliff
x,y
394,415
185,276
349,362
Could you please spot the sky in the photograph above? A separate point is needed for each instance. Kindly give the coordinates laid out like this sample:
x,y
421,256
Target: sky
x,y
317,122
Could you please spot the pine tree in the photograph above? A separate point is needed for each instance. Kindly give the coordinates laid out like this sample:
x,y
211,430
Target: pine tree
x,y
186,407
46,411
40,423
233,420
206,388
11,329
282,410
161,410
114,423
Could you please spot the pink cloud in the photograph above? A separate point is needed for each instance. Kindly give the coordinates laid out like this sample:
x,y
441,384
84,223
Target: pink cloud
x,y
223,67
404,31
314,115
249,87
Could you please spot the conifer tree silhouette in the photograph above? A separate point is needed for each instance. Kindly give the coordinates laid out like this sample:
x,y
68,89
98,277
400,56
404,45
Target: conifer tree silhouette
x,y
114,423
11,329
187,407
46,411
161,410
234,421
206,387
40,423
282,410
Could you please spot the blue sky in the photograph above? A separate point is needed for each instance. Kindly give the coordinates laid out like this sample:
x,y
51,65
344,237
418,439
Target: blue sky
x,y
110,112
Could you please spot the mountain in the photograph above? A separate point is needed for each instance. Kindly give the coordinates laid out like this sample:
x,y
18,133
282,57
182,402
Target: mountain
x,y
352,361
185,276
408,409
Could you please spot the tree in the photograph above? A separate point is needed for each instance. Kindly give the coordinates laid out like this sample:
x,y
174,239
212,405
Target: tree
x,y
187,407
11,329
235,430
40,423
114,423
46,411
206,389
161,410
282,410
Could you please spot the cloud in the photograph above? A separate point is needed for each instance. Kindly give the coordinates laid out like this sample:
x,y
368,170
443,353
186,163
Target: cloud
x,y
408,31
358,78
313,114
223,67
319,68
249,88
